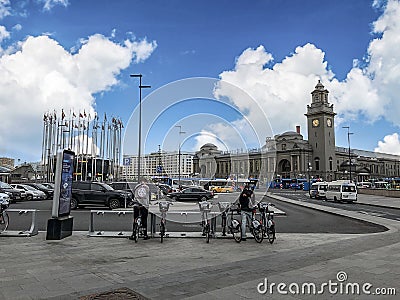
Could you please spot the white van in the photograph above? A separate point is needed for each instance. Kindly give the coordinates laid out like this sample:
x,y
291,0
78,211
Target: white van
x,y
318,190
341,190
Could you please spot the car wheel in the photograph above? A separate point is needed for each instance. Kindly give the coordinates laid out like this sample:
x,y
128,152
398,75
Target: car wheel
x,y
114,203
203,199
74,203
29,198
175,198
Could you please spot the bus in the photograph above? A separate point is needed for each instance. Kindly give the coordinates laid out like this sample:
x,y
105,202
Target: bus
x,y
286,183
341,190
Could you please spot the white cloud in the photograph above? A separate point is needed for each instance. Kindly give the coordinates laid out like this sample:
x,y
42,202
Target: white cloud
x,y
42,76
4,34
5,9
284,88
206,137
369,92
49,4
390,144
17,27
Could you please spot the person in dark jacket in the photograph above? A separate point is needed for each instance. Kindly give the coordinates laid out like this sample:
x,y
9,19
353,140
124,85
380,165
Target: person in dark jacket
x,y
246,205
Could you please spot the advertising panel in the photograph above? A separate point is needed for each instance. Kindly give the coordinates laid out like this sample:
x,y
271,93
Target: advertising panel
x,y
63,184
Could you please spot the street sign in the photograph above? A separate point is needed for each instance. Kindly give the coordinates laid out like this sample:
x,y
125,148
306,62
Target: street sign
x,y
127,161
159,169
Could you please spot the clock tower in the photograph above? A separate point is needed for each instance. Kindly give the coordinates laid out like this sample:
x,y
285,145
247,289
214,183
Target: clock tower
x,y
321,133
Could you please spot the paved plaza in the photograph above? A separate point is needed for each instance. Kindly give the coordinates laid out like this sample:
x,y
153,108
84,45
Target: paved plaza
x,y
82,267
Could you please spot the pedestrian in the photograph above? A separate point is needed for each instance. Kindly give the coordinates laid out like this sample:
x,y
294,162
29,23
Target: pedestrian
x,y
142,199
246,205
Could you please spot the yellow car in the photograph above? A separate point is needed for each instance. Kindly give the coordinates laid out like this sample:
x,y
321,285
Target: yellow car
x,y
222,189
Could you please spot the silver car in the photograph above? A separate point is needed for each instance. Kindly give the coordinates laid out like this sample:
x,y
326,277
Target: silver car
x,y
31,192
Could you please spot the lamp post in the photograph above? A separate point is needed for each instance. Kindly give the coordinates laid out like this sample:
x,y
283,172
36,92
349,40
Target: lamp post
x,y
140,117
309,169
179,156
348,140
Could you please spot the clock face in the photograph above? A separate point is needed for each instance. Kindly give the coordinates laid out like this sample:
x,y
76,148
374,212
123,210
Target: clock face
x,y
329,122
315,122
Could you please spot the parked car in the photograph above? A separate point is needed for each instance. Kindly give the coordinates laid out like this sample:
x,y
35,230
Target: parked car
x,y
129,186
48,185
222,189
10,191
31,192
49,192
23,193
97,193
191,194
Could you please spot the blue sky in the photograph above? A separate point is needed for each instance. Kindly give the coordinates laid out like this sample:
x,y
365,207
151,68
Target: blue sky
x,y
77,55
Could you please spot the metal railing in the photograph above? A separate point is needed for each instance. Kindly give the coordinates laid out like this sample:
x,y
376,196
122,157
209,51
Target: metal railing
x,y
33,229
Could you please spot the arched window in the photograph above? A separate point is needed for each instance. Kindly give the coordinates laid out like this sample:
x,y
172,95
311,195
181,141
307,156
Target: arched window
x,y
316,163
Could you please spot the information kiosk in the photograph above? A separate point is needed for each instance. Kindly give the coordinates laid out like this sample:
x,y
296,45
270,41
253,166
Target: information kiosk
x,y
61,223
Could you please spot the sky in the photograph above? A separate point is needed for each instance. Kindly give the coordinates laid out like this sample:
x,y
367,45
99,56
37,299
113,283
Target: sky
x,y
228,72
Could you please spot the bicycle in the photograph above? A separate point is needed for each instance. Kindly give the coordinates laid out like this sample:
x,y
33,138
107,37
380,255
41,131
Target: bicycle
x,y
255,227
235,227
4,218
205,208
267,221
137,229
163,207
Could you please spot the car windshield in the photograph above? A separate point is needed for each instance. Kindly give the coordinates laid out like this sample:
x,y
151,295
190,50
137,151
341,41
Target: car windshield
x,y
5,185
323,187
28,187
41,186
106,186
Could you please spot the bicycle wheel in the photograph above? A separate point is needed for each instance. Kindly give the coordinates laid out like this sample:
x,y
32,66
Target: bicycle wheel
x,y
162,231
4,221
258,234
237,233
135,232
207,232
271,234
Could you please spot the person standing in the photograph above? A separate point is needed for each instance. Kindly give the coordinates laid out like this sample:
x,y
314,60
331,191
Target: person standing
x,y
142,198
246,205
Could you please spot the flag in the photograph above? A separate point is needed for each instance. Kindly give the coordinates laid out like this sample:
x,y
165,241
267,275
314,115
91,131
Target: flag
x,y
73,114
62,114
80,115
105,117
84,113
44,117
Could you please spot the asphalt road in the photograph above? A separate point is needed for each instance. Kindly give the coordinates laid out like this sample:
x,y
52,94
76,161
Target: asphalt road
x,y
384,212
297,219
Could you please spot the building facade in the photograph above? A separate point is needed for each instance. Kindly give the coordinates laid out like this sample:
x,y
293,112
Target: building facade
x,y
158,164
289,155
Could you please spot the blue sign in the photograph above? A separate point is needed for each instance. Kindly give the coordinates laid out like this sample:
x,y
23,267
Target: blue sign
x,y
159,169
127,161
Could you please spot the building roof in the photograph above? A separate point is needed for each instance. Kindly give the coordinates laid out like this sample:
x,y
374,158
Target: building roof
x,y
289,135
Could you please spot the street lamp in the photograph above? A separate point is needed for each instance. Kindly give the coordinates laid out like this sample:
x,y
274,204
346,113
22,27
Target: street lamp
x,y
348,140
309,169
179,156
140,117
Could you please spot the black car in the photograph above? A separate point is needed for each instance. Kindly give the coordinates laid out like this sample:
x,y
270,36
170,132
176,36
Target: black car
x,y
97,193
14,194
191,194
48,191
156,192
